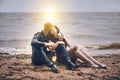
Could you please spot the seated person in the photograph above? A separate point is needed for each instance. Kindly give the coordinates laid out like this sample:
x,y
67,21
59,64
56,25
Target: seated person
x,y
40,54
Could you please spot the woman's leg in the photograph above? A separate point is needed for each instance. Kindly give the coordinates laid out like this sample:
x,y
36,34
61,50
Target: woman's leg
x,y
75,52
92,59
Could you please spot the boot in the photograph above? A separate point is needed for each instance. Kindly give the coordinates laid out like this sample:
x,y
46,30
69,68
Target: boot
x,y
54,68
71,65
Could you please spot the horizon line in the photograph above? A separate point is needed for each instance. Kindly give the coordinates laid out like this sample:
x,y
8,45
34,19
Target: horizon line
x,y
54,12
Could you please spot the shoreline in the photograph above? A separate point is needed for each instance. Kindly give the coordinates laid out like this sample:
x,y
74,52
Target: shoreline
x,y
94,49
17,67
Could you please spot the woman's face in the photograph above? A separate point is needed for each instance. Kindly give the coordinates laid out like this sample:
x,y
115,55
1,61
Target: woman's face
x,y
54,32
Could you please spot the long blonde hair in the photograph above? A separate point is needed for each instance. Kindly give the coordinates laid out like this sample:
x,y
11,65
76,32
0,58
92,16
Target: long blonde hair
x,y
47,27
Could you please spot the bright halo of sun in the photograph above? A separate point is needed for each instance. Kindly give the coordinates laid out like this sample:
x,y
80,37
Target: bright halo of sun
x,y
50,15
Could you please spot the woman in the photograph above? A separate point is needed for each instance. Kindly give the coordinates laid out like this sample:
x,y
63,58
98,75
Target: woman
x,y
74,51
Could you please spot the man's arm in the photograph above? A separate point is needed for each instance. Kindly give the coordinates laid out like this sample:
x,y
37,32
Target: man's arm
x,y
36,42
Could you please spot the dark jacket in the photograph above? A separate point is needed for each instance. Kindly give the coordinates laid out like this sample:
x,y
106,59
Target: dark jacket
x,y
38,46
38,40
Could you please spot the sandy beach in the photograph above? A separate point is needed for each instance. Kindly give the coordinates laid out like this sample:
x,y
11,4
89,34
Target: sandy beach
x,y
98,33
19,67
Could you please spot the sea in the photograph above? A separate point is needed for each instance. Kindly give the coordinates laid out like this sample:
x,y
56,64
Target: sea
x,y
80,28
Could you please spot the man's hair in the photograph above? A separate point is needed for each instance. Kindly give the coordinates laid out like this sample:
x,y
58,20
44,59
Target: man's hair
x,y
47,27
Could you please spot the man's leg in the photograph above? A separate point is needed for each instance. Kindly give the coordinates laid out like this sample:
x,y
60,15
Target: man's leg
x,y
40,55
64,55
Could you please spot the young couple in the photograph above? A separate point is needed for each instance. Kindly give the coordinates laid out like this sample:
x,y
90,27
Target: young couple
x,y
51,38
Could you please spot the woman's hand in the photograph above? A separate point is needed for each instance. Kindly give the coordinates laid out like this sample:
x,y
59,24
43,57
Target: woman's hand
x,y
60,36
53,46
60,42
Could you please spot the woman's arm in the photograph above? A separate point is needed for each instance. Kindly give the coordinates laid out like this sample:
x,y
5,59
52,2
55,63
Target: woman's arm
x,y
62,38
67,42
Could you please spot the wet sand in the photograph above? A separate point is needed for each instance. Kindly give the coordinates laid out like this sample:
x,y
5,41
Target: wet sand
x,y
19,67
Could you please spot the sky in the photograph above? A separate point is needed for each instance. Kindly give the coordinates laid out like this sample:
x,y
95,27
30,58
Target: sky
x,y
60,5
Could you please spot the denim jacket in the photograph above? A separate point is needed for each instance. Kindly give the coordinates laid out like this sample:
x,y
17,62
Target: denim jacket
x,y
39,40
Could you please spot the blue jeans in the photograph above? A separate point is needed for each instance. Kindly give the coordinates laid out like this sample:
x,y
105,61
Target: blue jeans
x,y
40,55
62,54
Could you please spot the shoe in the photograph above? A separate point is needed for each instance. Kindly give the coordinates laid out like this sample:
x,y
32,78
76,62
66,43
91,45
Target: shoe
x,y
71,65
103,66
95,66
54,68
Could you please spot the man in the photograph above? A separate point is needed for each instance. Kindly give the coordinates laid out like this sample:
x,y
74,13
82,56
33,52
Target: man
x,y
39,50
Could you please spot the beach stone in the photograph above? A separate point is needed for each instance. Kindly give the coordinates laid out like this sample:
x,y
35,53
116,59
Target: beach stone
x,y
80,74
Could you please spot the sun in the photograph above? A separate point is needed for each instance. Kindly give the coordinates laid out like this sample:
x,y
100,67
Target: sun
x,y
50,14
49,17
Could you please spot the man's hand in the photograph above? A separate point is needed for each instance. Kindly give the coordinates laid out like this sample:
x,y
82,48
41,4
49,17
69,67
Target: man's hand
x,y
51,45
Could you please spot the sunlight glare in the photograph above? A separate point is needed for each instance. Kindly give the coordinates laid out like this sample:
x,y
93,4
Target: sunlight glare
x,y
50,15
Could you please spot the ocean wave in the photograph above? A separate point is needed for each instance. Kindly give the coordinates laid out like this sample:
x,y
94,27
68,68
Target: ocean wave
x,y
15,43
12,50
113,45
110,46
6,40
96,49
84,36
